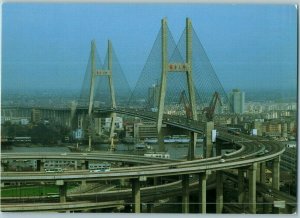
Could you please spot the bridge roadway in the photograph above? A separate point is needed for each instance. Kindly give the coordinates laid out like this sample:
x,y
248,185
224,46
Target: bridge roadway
x,y
244,156
110,199
150,195
69,206
248,155
95,156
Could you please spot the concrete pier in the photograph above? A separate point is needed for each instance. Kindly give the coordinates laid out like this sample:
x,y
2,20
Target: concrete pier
x,y
241,188
62,190
192,146
209,126
136,196
263,172
40,165
252,188
218,148
276,173
202,192
84,166
219,192
185,193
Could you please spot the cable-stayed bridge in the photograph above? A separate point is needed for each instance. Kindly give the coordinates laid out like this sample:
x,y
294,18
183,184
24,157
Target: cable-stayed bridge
x,y
171,69
174,73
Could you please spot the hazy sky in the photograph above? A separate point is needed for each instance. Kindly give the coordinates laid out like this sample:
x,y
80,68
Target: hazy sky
x,y
48,45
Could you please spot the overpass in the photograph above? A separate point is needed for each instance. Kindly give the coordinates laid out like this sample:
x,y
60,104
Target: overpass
x,y
245,157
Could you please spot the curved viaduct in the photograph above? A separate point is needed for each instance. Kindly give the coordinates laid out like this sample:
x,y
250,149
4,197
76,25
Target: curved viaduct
x,y
251,155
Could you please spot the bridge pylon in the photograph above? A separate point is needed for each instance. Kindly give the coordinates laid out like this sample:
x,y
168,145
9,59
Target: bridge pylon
x,y
101,72
177,67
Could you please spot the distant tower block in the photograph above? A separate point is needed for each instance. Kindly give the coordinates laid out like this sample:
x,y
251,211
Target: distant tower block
x,y
176,67
284,129
238,101
153,96
101,72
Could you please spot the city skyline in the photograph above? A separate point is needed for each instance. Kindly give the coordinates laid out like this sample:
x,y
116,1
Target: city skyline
x,y
39,42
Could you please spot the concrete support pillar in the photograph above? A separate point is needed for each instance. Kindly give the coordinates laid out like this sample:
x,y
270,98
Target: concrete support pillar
x,y
84,166
263,172
112,132
258,173
241,188
75,165
218,148
136,196
192,146
83,183
208,139
276,173
202,192
185,193
252,188
40,165
62,190
219,191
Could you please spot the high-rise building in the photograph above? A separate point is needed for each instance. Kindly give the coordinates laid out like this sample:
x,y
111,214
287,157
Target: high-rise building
x,y
153,95
237,99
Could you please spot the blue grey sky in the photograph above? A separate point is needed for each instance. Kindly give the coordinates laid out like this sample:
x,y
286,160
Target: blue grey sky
x,y
48,45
